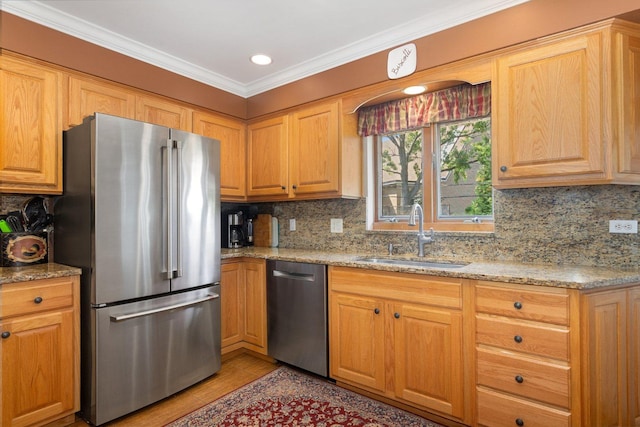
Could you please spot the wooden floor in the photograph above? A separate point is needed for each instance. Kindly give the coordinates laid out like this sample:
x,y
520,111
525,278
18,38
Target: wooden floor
x,y
235,373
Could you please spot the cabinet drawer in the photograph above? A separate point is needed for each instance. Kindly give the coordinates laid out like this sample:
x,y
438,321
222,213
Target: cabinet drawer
x,y
523,304
543,340
416,288
36,296
534,379
497,410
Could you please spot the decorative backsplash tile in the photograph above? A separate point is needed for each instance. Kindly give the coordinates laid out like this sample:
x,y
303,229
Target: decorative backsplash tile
x,y
562,225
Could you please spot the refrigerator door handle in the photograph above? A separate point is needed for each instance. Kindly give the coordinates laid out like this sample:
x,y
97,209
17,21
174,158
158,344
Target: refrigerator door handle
x,y
169,207
178,147
129,316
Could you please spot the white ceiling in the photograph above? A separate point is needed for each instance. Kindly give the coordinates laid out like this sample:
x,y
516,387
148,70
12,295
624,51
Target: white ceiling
x,y
211,40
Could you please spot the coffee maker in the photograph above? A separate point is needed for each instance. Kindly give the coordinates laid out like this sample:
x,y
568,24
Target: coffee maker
x,y
235,230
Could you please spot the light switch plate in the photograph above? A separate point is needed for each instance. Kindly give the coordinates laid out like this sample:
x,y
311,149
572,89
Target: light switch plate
x,y
292,224
336,225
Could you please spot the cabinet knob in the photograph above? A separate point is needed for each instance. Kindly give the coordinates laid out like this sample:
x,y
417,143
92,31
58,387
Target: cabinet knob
x,y
517,305
376,311
519,379
519,422
283,187
503,168
6,334
517,339
396,315
37,300
295,187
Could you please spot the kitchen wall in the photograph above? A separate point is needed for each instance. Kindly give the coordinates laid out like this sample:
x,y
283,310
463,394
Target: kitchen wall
x,y
563,225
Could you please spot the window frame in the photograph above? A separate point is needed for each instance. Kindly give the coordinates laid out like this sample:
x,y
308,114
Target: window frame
x,y
430,195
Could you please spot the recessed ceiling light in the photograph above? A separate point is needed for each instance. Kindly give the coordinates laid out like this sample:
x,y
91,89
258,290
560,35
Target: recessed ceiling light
x,y
261,59
414,90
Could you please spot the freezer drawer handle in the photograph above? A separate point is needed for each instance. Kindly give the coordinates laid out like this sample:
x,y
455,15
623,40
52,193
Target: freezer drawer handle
x,y
162,309
294,276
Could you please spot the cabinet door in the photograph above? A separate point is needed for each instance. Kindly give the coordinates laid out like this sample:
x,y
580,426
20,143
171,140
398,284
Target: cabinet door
x,y
428,357
547,105
356,340
314,150
634,354
605,374
231,135
231,307
628,108
38,377
87,97
30,128
268,158
255,304
163,113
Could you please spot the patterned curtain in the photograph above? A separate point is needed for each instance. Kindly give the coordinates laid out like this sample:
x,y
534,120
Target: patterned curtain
x,y
456,103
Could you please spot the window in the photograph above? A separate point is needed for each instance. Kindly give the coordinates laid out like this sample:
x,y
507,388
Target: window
x,y
445,167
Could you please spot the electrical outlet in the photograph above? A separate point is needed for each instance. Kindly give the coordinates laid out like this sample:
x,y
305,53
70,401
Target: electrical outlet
x,y
292,224
623,226
336,225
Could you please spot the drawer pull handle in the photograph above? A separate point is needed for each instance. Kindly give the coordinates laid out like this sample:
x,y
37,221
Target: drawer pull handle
x,y
396,315
517,305
519,422
376,311
38,300
6,334
517,339
503,168
519,379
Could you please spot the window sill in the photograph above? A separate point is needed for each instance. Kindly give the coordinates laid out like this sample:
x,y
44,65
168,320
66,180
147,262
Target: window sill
x,y
454,227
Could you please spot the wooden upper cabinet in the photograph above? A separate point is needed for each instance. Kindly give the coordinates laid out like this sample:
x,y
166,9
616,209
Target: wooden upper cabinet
x,y
30,128
268,157
548,114
231,134
164,113
87,97
311,153
313,150
627,104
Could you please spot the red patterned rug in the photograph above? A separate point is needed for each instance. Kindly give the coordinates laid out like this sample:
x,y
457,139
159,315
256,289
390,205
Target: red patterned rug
x,y
286,398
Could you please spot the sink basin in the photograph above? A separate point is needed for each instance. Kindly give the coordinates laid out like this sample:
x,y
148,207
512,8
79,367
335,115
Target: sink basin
x,y
413,263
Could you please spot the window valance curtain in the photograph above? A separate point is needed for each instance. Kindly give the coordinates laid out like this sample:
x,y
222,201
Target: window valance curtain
x,y
456,103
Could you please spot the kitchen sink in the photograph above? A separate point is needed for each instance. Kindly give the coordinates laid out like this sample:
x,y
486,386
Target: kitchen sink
x,y
411,262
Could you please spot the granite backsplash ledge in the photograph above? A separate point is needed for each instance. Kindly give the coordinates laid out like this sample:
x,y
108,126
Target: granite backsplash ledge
x,y
559,225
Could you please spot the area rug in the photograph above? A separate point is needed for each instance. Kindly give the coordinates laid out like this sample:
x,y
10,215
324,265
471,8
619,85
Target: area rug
x,y
286,398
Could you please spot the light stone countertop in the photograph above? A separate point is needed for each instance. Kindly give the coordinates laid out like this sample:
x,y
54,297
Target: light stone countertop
x,y
564,276
35,272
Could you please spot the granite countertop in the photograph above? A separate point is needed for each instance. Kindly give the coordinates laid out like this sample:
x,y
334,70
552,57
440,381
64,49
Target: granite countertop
x,y
565,276
35,272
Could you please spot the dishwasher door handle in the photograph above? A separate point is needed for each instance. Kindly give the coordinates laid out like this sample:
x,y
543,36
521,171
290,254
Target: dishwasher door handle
x,y
294,276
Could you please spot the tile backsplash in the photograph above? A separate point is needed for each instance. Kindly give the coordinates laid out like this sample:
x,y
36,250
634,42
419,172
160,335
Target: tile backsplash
x,y
561,225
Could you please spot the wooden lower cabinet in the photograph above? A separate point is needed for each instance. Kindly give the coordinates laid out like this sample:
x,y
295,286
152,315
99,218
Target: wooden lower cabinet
x,y
243,305
394,335
575,364
40,351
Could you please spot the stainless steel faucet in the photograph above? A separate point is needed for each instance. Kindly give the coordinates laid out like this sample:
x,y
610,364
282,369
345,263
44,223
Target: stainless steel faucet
x,y
416,209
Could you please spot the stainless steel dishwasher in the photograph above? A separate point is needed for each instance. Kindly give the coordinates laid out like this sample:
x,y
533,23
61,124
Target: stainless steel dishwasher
x,y
297,315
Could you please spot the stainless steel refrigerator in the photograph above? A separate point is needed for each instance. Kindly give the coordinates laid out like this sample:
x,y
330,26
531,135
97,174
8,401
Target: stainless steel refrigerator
x,y
140,214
